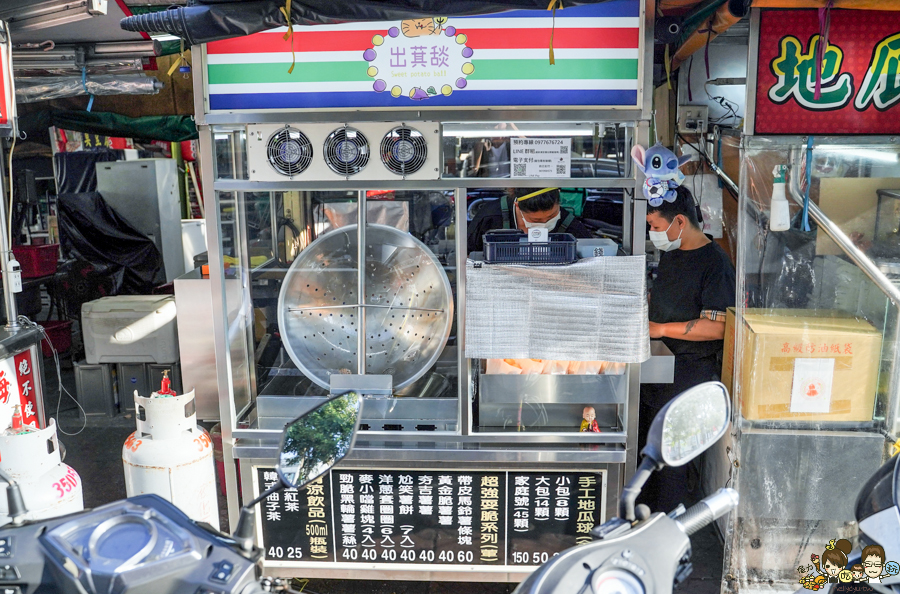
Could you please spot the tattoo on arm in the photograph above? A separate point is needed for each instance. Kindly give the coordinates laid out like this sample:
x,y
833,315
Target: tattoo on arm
x,y
690,326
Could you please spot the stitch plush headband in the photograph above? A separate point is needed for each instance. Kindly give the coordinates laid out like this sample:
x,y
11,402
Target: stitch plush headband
x,y
661,167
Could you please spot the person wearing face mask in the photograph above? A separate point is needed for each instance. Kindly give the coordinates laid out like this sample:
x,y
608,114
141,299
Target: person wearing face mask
x,y
694,287
524,209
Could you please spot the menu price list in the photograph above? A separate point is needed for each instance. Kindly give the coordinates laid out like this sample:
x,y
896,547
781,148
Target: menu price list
x,y
434,518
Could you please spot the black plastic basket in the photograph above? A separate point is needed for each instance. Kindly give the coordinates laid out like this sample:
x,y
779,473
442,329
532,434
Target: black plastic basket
x,y
508,247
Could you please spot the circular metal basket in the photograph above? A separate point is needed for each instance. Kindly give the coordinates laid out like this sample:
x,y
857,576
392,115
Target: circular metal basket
x,y
408,306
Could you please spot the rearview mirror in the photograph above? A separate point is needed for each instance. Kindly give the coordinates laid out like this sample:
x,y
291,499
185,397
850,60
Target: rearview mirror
x,y
318,440
689,424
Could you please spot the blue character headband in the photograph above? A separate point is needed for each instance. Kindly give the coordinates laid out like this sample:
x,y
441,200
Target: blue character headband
x,y
661,167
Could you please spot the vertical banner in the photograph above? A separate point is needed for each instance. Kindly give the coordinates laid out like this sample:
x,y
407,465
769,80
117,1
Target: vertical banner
x,y
4,100
7,88
19,387
24,368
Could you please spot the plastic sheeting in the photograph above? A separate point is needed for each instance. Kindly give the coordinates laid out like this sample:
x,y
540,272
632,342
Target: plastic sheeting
x,y
77,172
210,21
815,362
29,90
592,310
93,232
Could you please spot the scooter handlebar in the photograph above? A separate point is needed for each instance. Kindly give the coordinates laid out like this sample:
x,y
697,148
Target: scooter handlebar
x,y
708,511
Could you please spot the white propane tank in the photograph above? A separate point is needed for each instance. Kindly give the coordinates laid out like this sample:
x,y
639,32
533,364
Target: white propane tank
x,y
31,458
171,456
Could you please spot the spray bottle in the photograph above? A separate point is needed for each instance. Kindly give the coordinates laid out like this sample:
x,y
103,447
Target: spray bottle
x,y
780,217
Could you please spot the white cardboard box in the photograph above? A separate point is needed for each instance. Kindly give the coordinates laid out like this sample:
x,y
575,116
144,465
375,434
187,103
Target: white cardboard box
x,y
130,329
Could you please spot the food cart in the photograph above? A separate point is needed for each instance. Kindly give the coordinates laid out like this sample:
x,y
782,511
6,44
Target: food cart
x,y
813,368
330,145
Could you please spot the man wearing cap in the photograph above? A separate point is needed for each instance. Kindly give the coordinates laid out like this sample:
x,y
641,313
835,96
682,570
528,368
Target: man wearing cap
x,y
525,209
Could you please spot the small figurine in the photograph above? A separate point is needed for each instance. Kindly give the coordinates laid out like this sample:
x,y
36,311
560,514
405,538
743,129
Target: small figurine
x,y
661,167
589,420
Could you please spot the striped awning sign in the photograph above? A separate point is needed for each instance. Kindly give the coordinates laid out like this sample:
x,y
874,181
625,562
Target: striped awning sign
x,y
485,61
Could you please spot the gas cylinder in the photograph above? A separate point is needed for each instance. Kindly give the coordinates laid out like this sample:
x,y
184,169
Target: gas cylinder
x,y
171,456
31,458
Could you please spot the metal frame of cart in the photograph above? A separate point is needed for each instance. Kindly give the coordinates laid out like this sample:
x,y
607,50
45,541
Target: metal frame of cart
x,y
612,453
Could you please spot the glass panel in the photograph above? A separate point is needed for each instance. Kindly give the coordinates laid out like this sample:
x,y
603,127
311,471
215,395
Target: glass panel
x,y
548,396
815,360
235,290
230,152
476,149
294,239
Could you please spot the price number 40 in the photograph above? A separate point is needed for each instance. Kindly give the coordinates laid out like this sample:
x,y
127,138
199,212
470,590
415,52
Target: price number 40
x,y
457,557
279,552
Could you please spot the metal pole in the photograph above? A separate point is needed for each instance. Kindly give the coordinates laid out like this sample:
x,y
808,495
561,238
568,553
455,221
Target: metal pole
x,y
463,368
9,298
837,234
361,283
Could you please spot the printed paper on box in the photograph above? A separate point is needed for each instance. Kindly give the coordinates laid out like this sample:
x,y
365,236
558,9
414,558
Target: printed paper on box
x,y
811,390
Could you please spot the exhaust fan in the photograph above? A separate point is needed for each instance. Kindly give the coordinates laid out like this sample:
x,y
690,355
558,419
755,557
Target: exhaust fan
x,y
289,151
404,150
346,151
313,151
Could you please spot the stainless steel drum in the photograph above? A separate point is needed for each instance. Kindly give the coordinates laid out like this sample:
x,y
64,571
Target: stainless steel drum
x,y
408,306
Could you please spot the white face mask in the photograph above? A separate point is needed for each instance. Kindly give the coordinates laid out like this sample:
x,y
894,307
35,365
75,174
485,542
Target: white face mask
x,y
661,239
549,225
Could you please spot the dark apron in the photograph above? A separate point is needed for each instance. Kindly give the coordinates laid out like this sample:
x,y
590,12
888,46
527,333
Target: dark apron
x,y
666,488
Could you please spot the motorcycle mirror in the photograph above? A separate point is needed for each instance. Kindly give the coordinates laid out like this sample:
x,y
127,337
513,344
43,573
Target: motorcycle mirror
x,y
688,425
318,440
681,431
310,445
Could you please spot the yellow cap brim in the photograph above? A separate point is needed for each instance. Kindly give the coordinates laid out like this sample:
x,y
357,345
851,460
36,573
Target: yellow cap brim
x,y
533,194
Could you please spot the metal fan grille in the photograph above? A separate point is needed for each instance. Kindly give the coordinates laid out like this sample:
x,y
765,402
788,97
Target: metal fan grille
x,y
346,151
403,150
289,151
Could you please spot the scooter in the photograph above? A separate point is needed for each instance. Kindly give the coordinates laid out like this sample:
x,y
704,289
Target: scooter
x,y
145,545
642,552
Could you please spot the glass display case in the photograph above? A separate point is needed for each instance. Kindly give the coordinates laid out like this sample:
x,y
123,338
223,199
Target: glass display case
x,y
814,367
281,344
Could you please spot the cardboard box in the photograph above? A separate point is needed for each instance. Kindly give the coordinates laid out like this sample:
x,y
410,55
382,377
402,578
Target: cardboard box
x,y
803,367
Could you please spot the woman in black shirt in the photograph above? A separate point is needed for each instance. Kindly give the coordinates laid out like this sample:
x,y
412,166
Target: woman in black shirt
x,y
694,287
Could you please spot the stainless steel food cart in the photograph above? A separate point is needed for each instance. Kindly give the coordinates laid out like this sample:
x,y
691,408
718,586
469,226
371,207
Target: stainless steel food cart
x,y
464,442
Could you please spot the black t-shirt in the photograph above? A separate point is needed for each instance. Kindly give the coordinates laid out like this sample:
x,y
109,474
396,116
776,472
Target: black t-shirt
x,y
490,217
688,282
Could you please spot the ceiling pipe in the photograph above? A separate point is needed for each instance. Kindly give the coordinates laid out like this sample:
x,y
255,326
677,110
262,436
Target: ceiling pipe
x,y
669,7
720,21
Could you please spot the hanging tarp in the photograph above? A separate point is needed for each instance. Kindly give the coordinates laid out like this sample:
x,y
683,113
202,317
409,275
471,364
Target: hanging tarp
x,y
77,172
90,230
209,20
173,128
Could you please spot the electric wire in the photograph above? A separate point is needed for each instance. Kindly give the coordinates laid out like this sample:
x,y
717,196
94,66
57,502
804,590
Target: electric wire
x,y
25,321
703,154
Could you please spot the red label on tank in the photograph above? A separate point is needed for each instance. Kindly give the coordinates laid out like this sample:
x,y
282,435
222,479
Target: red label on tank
x,y
24,369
